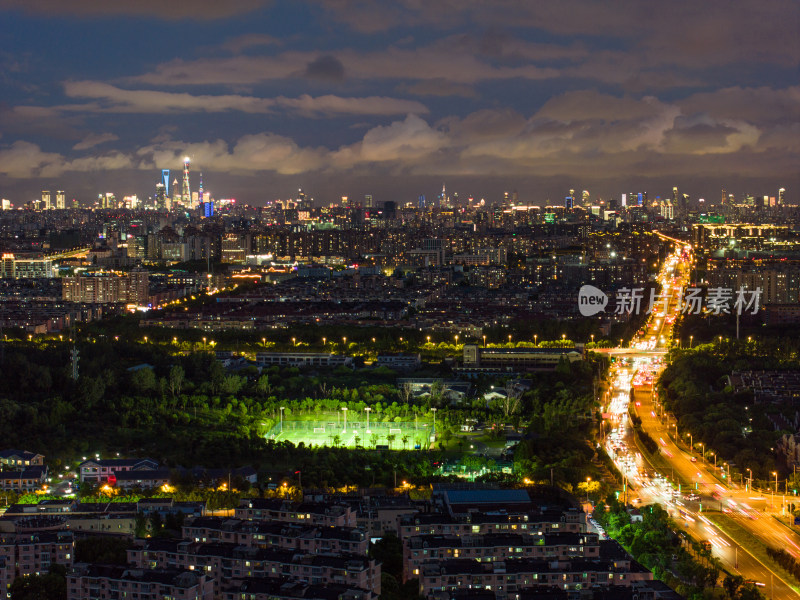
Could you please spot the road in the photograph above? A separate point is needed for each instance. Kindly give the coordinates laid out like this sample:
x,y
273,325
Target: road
x,y
679,469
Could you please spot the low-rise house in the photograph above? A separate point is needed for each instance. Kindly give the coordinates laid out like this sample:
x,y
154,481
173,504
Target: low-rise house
x,y
29,479
105,470
17,459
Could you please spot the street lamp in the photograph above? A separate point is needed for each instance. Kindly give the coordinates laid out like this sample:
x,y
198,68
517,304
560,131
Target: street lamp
x,y
750,479
324,341
367,410
429,339
509,338
456,336
702,449
204,342
691,444
282,407
535,343
344,341
588,479
434,421
264,342
593,338
484,341
691,337
294,341
344,410
775,473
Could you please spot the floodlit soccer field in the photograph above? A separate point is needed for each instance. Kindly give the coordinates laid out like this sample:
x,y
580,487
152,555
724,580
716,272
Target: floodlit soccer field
x,y
395,436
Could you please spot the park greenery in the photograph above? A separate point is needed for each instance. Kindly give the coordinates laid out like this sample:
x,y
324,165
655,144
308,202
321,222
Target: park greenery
x,y
673,557
183,408
696,389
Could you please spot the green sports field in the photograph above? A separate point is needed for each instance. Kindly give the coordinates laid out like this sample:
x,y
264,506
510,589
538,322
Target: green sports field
x,y
330,432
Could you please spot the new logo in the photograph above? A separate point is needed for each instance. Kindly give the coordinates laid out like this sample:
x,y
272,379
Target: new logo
x,y
591,300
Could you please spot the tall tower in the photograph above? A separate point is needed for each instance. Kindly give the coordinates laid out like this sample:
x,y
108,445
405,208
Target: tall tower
x,y
186,193
61,200
781,196
200,199
45,200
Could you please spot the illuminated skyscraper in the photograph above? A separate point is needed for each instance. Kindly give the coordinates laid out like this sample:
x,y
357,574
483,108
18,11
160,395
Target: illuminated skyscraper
x,y
200,191
45,200
186,193
161,196
176,193
61,200
781,196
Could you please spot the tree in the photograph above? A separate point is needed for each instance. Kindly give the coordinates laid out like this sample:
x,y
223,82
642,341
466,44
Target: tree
x,y
105,550
39,587
511,403
404,439
144,380
263,386
405,392
374,440
390,439
176,376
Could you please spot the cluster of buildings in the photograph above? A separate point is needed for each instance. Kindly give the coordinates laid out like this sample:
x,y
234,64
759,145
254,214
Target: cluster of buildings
x,y
21,471
474,542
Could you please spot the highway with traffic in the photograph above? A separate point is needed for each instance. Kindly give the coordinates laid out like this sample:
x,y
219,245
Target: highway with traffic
x,y
679,476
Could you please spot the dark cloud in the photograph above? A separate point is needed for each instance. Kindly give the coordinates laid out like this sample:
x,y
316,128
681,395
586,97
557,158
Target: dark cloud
x,y
325,68
199,10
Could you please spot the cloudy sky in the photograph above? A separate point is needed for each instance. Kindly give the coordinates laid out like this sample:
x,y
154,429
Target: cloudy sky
x,y
394,98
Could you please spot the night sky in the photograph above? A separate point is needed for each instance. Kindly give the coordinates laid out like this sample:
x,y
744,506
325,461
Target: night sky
x,y
349,97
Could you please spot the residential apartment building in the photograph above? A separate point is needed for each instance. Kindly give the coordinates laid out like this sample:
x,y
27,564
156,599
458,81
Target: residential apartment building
x,y
33,554
418,550
290,536
508,577
132,288
94,582
226,561
313,513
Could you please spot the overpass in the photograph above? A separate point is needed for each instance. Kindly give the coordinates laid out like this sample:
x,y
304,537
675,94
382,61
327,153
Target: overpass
x,y
71,253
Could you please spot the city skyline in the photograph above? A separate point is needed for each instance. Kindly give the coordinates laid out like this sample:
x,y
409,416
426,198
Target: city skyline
x,y
356,98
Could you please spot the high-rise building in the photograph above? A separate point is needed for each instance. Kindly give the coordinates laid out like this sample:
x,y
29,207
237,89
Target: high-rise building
x,y
176,193
368,201
61,200
724,198
781,196
199,192
186,193
585,198
107,200
45,200
161,196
